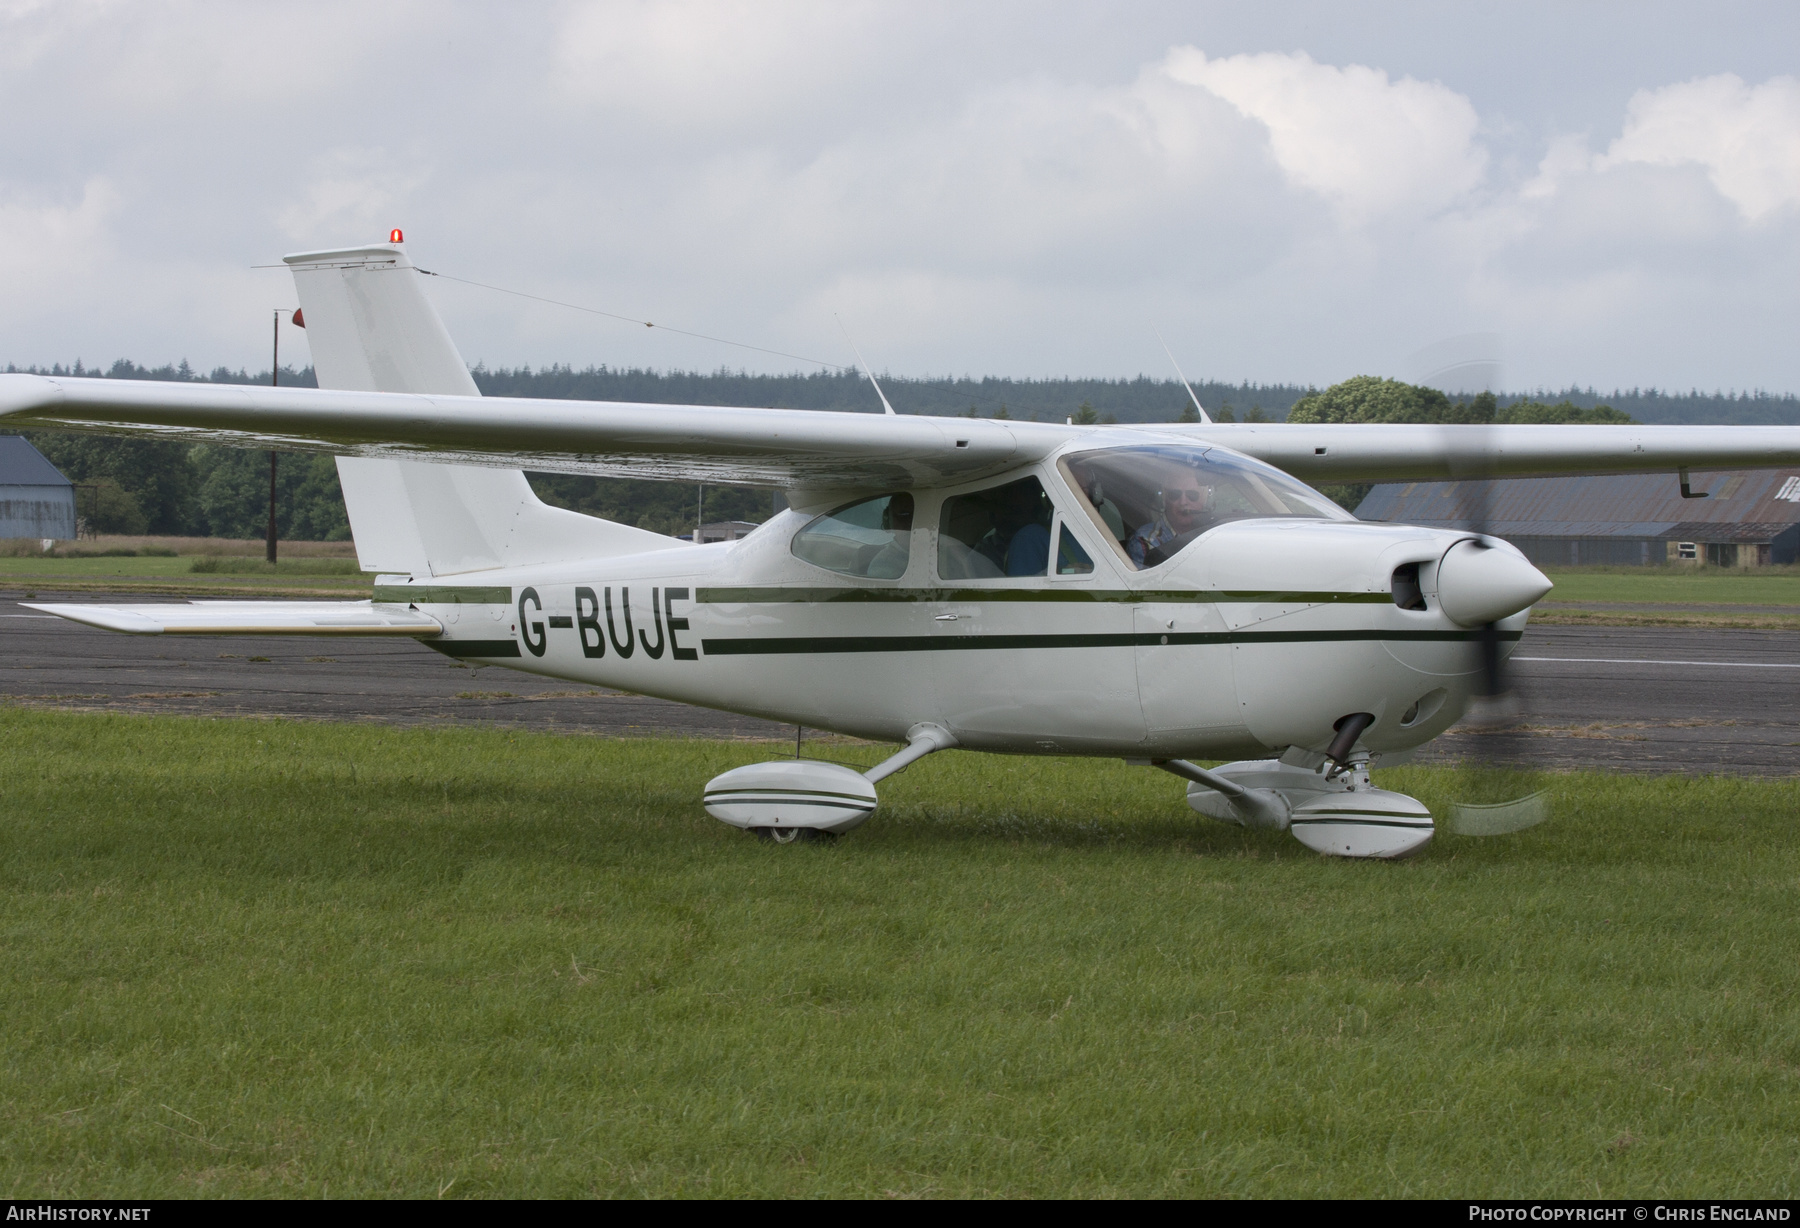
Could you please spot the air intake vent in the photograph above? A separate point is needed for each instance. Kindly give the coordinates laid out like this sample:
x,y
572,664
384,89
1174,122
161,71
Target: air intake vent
x,y
1406,587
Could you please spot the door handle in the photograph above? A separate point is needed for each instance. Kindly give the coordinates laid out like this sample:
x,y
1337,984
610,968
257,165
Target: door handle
x,y
945,618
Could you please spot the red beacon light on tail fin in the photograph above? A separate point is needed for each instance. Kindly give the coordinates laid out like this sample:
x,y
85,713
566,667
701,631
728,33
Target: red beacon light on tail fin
x,y
394,236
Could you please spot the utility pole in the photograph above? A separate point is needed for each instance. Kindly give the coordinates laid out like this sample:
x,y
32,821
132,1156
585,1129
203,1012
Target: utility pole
x,y
274,382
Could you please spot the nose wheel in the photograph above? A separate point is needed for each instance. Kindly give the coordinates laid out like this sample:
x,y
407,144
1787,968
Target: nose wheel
x,y
793,835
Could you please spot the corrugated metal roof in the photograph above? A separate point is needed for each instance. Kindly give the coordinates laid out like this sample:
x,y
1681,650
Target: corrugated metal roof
x,y
23,465
1741,506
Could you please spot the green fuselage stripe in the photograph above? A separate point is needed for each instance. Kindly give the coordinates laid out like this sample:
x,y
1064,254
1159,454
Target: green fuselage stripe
x,y
756,790
1358,820
821,803
914,596
474,648
443,594
952,642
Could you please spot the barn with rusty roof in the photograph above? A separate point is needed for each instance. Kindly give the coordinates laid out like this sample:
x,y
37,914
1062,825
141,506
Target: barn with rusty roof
x,y
1743,520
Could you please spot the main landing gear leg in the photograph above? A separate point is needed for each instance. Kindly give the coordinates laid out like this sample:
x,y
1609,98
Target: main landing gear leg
x,y
795,800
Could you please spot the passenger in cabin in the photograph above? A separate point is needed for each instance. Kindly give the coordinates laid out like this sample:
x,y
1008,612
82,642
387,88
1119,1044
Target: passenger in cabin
x,y
1183,506
1174,493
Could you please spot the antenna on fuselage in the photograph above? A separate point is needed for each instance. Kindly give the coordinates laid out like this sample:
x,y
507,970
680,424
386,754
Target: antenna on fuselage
x,y
862,364
1199,408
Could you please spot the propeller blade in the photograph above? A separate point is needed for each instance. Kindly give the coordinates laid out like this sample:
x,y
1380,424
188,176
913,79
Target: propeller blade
x,y
1498,790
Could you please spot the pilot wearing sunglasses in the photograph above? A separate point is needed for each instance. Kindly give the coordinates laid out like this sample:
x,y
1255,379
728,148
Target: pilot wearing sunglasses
x,y
1184,503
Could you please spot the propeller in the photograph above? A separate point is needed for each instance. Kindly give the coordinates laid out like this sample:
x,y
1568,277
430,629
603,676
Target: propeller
x,y
1498,788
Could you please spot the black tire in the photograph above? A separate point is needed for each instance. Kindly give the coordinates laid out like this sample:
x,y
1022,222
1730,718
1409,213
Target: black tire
x,y
793,835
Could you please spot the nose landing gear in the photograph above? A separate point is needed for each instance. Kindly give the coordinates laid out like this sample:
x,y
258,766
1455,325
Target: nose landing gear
x,y
1338,812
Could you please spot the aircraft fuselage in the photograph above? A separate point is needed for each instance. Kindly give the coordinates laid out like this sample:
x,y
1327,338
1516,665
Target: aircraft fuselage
x,y
1259,635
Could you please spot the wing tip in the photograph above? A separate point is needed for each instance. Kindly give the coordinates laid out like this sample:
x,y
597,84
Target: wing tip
x,y
104,617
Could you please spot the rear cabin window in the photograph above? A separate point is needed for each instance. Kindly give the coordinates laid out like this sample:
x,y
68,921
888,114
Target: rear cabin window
x,y
1001,531
872,538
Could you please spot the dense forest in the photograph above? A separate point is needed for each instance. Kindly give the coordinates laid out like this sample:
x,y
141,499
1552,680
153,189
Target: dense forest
x,y
146,486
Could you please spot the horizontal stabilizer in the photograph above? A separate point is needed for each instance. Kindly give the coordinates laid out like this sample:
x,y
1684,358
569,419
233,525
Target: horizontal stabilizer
x,y
250,618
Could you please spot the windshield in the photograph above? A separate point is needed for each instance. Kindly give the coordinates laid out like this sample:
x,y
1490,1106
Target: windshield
x,y
1154,500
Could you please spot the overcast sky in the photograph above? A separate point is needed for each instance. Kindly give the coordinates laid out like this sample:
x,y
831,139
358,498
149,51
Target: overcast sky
x,y
1289,192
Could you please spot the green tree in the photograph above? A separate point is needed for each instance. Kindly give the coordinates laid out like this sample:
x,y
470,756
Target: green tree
x,y
154,473
1565,411
1085,415
103,506
1369,398
234,494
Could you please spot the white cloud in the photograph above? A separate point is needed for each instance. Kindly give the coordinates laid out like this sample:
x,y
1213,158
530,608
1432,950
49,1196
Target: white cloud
x,y
349,192
48,248
1747,138
1372,144
716,66
989,189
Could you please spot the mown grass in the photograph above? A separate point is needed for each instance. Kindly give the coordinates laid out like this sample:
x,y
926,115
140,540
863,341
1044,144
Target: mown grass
x,y
226,565
255,958
1677,585
171,566
189,576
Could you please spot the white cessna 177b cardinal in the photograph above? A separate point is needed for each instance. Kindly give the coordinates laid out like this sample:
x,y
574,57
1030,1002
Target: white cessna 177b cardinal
x,y
1154,593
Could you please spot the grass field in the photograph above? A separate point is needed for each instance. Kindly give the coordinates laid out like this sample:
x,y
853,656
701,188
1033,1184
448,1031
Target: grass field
x,y
1685,586
203,575
257,958
137,568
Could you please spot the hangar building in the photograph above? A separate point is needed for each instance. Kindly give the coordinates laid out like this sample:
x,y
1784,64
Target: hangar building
x,y
1746,520
35,500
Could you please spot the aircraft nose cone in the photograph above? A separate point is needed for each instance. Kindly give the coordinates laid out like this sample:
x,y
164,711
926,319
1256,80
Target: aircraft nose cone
x,y
1482,584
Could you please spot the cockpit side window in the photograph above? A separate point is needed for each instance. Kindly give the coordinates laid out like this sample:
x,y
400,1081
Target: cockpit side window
x,y
1154,500
1001,531
1071,559
872,539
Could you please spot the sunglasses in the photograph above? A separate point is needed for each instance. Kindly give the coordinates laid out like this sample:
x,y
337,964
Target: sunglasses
x,y
1185,496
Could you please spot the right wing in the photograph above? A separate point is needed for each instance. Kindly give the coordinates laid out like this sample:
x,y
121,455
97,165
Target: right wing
x,y
1391,452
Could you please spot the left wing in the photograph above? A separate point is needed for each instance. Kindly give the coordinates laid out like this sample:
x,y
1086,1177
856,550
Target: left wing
x,y
767,447
812,449
251,618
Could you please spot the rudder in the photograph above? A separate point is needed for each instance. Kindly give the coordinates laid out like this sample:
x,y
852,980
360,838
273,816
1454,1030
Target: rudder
x,y
371,329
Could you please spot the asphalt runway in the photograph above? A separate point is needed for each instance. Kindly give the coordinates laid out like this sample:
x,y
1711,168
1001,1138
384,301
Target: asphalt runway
x,y
1628,699
1650,700
45,660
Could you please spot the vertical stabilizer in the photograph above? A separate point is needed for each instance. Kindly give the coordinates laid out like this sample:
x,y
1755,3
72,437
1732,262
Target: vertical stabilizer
x,y
371,329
